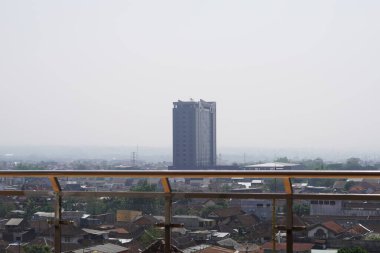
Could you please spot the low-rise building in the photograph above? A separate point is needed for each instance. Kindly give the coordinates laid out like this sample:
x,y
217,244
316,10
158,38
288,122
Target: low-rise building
x,y
194,222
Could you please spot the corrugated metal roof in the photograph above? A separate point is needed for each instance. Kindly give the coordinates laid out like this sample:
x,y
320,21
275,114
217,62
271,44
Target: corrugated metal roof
x,y
14,222
45,214
272,165
94,232
103,248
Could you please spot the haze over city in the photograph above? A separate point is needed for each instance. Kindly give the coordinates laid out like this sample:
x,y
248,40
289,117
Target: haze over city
x,y
195,126
289,74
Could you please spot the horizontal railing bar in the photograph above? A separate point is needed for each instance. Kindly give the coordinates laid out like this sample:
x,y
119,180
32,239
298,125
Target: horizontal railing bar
x,y
194,173
321,196
337,196
217,195
113,194
26,193
178,195
211,195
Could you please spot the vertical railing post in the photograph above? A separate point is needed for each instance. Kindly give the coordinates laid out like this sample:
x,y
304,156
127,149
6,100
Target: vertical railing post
x,y
273,225
57,214
289,215
168,213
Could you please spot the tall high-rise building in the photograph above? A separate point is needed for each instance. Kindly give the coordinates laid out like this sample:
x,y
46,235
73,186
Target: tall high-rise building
x,y
194,134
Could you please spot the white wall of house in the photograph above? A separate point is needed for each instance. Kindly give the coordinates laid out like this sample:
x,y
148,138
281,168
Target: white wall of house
x,y
326,207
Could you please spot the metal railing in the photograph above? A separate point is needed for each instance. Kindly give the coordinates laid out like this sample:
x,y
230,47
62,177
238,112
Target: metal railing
x,y
168,194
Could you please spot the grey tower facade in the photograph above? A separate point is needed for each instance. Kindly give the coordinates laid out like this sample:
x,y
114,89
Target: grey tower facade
x,y
194,134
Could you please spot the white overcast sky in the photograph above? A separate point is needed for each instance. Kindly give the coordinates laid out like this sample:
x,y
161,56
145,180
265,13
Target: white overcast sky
x,y
283,73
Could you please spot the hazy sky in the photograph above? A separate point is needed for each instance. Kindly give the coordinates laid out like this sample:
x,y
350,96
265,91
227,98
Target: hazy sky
x,y
283,73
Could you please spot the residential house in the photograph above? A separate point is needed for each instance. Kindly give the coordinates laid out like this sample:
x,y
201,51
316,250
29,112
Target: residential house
x,y
201,235
243,223
183,241
361,208
127,215
93,235
15,248
41,221
363,187
325,230
193,222
357,231
118,233
71,234
146,220
325,207
73,216
91,221
221,214
16,229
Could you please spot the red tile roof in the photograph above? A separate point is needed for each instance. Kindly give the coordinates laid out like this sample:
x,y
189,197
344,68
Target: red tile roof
x,y
333,226
359,229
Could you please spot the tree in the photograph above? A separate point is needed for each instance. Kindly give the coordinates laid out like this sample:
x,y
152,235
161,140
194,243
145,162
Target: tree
x,y
352,250
5,208
316,164
372,237
282,160
150,235
301,209
37,249
96,206
352,163
37,204
143,186
146,205
334,166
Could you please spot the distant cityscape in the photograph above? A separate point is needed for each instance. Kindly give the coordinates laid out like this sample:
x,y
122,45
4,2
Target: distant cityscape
x,y
189,126
194,146
126,225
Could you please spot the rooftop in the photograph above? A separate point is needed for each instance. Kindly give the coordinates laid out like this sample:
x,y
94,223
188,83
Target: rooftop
x,y
14,222
102,248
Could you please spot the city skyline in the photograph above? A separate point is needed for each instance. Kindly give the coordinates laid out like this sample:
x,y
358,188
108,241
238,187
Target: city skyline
x,y
110,142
